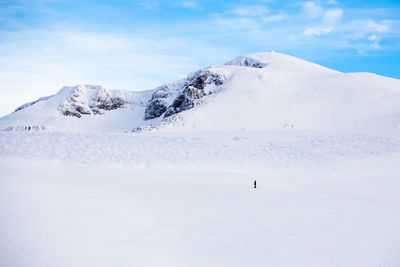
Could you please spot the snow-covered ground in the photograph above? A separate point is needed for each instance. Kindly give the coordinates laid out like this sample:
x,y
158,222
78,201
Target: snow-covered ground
x,y
79,188
187,199
286,148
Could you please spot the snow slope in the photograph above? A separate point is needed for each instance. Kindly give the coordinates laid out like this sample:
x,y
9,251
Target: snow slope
x,y
291,93
262,91
49,111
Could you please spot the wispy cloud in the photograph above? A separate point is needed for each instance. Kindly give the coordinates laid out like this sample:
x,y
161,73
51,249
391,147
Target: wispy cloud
x,y
150,4
315,21
362,28
250,11
324,20
190,4
312,9
367,34
317,31
331,2
273,18
237,23
332,16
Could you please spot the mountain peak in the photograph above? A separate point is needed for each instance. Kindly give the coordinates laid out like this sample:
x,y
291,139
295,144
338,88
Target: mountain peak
x,y
259,91
278,61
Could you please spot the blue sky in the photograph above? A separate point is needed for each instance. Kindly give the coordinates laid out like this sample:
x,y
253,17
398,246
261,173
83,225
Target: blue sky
x,y
138,45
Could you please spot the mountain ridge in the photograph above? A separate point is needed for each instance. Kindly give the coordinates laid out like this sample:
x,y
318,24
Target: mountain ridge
x,y
261,91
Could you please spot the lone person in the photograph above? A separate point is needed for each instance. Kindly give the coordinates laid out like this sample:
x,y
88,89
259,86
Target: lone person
x,y
255,183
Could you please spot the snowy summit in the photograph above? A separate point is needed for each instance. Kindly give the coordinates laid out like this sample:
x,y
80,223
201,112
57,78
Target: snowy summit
x,y
261,91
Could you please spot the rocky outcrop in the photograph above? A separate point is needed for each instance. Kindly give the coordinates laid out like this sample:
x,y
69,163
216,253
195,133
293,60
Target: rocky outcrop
x,y
102,103
75,105
244,61
193,90
158,103
155,109
184,96
84,102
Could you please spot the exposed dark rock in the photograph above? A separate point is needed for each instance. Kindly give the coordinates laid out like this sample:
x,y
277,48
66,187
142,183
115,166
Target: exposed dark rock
x,y
160,93
74,106
181,103
247,62
82,110
155,109
109,103
253,64
137,130
75,109
191,90
257,65
158,103
71,113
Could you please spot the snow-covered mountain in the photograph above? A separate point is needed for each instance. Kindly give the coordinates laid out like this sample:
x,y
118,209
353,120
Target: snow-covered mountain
x,y
322,146
262,91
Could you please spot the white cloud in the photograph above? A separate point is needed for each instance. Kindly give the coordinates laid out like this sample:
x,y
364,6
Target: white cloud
x,y
331,2
190,4
312,9
237,23
372,26
325,20
251,11
362,28
317,31
332,16
367,34
373,38
273,18
150,5
364,33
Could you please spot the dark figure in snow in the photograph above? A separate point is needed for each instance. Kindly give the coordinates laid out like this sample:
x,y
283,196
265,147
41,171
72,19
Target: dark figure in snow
x,y
255,184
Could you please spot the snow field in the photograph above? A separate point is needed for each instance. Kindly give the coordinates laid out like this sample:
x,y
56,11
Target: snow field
x,y
288,148
180,199
58,214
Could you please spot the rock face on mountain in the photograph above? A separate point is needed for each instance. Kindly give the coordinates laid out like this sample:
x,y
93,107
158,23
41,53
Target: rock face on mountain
x,y
161,99
84,102
194,89
184,94
246,61
261,91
